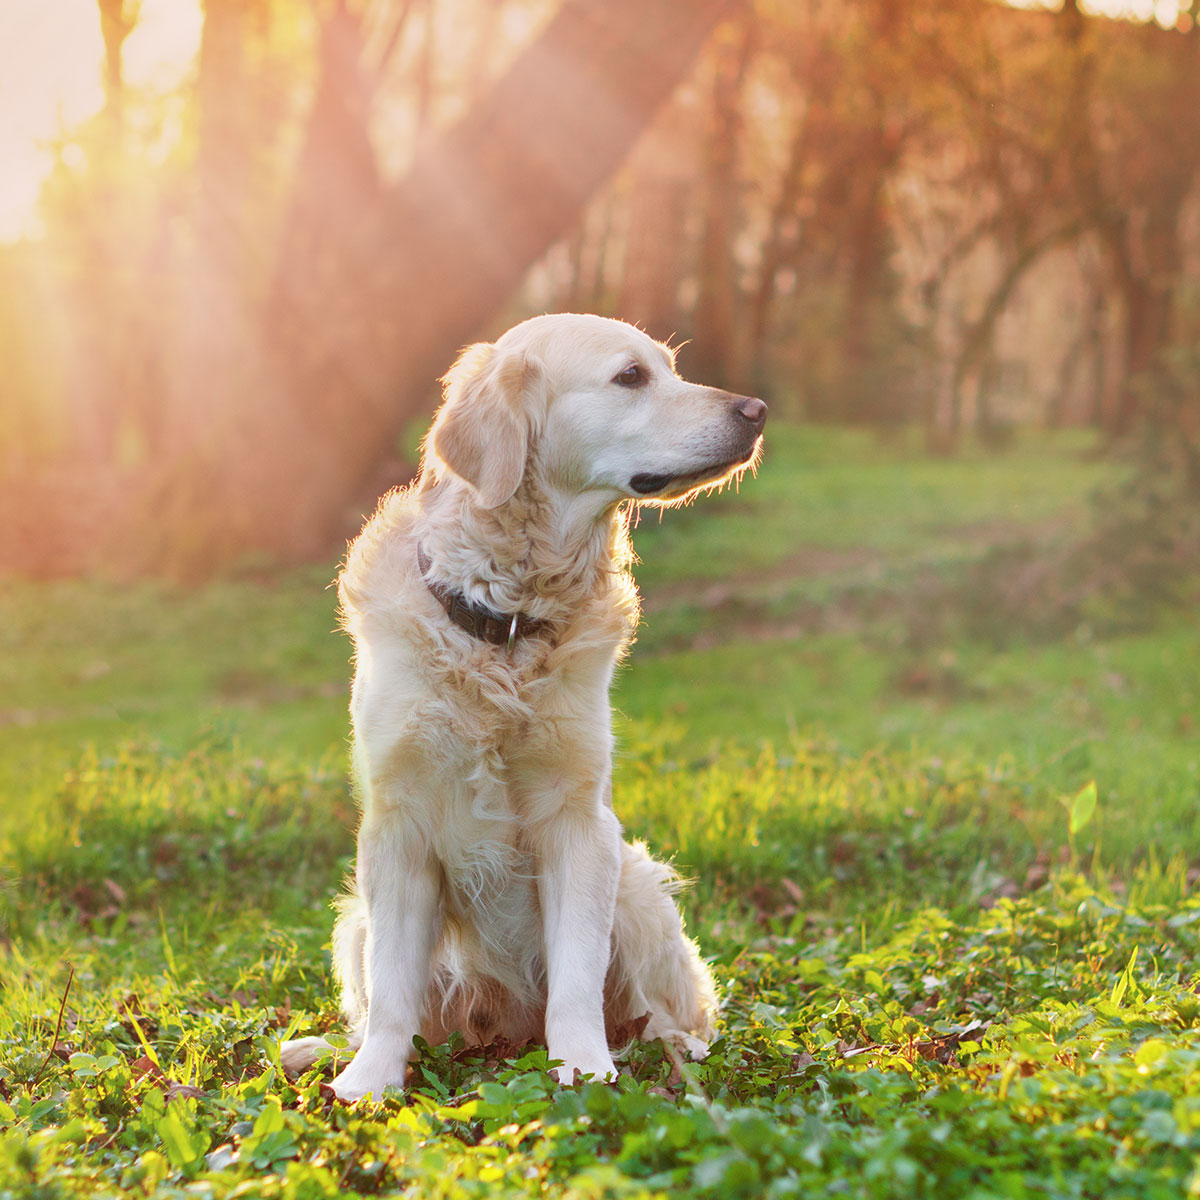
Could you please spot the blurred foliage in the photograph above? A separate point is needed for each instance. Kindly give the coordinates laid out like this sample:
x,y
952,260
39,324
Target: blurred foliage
x,y
883,211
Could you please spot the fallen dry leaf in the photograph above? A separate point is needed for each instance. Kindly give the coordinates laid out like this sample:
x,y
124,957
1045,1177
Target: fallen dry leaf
x,y
628,1031
145,1066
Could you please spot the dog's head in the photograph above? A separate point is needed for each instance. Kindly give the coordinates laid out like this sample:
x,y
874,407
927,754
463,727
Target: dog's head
x,y
596,407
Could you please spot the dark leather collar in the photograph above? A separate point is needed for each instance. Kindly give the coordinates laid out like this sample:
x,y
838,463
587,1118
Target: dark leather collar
x,y
501,629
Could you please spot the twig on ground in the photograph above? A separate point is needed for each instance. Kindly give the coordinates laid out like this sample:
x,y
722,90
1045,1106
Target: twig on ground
x,y
62,1008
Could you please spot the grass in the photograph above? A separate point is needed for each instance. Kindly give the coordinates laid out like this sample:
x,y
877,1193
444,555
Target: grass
x,y
950,968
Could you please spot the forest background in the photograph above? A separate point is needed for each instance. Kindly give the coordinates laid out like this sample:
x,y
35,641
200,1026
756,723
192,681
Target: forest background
x,y
237,293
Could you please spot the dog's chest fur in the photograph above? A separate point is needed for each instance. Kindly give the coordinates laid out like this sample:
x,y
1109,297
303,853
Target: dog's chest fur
x,y
504,741
519,769
521,766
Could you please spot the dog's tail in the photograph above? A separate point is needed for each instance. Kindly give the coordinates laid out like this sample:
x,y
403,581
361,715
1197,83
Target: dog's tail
x,y
656,968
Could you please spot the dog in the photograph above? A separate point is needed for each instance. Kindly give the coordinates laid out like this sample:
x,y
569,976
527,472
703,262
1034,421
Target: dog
x,y
489,604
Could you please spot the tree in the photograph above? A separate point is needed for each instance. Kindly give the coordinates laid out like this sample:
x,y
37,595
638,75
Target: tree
x,y
478,206
715,319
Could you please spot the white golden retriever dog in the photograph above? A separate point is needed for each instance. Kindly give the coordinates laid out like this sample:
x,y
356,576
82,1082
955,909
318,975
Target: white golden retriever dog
x,y
489,603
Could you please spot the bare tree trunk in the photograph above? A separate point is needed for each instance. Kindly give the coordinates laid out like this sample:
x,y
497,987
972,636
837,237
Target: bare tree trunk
x,y
221,92
116,24
1145,262
977,342
479,205
867,248
1149,301
783,215
592,252
102,306
1098,353
653,264
330,228
714,356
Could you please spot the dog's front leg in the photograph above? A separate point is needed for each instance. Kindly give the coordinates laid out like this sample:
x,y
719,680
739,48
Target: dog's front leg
x,y
398,881
580,867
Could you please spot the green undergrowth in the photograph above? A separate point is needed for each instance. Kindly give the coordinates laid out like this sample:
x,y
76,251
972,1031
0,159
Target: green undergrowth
x,y
933,981
1047,1045
146,829
143,828
941,859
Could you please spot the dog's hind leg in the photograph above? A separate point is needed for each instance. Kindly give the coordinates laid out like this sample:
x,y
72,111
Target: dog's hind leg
x,y
297,1055
656,968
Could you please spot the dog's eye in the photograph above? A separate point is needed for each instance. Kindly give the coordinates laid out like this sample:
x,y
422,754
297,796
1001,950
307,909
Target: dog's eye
x,y
632,376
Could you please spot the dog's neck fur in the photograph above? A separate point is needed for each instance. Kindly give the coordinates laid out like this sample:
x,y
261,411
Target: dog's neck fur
x,y
537,554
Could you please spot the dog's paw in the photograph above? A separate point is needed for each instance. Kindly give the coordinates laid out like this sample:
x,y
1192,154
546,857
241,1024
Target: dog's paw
x,y
299,1054
693,1047
595,1062
369,1074
676,1040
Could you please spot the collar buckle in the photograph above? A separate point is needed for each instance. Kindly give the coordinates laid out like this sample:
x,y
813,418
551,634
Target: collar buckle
x,y
501,629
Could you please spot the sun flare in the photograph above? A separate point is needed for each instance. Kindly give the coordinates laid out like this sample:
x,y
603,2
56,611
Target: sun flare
x,y
51,76
51,82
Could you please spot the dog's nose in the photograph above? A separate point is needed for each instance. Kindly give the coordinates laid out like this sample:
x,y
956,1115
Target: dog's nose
x,y
752,410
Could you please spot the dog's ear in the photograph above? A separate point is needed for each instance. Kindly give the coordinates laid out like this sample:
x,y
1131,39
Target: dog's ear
x,y
481,432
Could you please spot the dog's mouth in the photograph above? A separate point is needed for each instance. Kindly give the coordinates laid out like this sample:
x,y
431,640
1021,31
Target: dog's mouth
x,y
679,484
647,485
